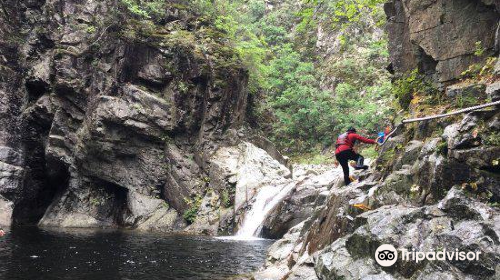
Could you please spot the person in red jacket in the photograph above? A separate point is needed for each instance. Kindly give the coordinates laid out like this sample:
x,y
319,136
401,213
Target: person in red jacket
x,y
345,151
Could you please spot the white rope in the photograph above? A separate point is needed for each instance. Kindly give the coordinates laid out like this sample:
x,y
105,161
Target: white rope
x,y
465,110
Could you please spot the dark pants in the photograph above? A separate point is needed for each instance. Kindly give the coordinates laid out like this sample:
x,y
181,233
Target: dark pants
x,y
344,157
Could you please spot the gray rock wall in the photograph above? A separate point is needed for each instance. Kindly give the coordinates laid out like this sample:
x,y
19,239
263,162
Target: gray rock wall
x,y
11,101
439,37
102,125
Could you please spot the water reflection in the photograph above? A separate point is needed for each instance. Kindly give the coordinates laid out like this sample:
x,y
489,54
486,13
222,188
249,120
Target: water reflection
x,y
32,253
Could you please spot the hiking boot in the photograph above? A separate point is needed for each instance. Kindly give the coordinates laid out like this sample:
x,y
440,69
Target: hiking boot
x,y
363,167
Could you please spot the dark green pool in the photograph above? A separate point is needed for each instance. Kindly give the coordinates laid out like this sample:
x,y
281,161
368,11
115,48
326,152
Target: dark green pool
x,y
32,253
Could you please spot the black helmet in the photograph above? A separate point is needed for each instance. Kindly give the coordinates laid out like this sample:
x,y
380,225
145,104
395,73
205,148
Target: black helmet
x,y
351,129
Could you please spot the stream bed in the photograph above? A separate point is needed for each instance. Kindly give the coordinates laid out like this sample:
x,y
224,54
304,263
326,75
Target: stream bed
x,y
33,253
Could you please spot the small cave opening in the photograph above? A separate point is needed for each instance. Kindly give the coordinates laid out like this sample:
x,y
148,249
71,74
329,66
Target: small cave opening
x,y
42,185
426,64
114,202
152,85
390,68
146,72
120,205
35,89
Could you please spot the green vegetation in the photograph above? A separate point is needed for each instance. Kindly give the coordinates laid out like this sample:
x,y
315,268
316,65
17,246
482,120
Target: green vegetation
x,y
351,11
303,95
303,99
405,88
135,8
479,49
146,9
206,179
91,29
194,205
165,205
226,199
304,112
315,158
492,138
95,202
442,148
478,71
388,156
465,100
370,152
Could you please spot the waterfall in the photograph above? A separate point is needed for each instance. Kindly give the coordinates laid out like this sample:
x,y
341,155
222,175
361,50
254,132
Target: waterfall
x,y
265,200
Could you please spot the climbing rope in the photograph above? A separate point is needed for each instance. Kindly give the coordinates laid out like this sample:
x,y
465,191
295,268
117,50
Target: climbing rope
x,y
465,110
473,108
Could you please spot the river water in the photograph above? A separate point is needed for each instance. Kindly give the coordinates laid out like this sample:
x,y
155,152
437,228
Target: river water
x,y
33,253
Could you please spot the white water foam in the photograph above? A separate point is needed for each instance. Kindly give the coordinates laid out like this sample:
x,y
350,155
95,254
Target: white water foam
x,y
265,200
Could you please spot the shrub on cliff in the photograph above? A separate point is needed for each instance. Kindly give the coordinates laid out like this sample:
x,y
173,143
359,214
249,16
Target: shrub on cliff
x,y
405,87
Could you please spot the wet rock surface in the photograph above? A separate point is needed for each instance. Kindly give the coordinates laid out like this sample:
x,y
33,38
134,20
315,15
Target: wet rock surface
x,y
311,187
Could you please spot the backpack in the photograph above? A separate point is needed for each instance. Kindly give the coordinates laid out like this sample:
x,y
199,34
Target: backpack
x,y
341,140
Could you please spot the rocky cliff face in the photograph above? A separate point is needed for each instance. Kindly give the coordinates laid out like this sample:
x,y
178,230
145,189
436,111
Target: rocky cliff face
x,y
346,48
109,119
439,37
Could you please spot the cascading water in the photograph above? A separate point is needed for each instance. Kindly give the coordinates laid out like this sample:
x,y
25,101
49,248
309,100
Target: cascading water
x,y
265,200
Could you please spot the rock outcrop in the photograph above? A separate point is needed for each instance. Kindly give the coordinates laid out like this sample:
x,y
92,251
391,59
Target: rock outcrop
x,y
324,217
345,47
312,183
11,156
112,119
236,175
440,38
455,223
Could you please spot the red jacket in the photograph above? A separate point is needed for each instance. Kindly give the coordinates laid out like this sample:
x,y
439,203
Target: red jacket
x,y
347,141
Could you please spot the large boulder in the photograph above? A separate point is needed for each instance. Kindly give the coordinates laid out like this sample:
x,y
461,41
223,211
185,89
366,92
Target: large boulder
x,y
285,260
455,223
245,168
312,185
460,93
493,91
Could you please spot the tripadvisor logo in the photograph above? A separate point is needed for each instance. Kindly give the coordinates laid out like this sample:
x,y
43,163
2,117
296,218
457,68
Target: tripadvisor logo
x,y
386,255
